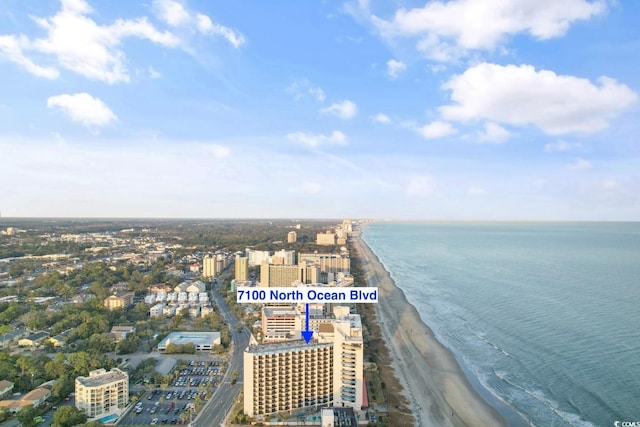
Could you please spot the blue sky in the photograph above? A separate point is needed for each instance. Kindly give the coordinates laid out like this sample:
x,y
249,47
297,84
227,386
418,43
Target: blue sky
x,y
460,109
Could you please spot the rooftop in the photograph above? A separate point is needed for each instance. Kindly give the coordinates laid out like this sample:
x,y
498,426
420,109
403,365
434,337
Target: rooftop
x,y
278,347
113,375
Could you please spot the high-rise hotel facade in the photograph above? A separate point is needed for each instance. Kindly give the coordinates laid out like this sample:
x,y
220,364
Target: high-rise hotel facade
x,y
293,375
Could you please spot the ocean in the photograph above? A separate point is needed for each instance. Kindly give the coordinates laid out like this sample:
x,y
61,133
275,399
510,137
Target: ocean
x,y
544,316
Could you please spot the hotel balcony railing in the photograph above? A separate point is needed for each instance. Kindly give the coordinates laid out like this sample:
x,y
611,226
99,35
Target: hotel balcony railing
x,y
348,398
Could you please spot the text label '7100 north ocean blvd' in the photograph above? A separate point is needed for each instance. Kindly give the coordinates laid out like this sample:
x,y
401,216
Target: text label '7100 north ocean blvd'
x,y
251,295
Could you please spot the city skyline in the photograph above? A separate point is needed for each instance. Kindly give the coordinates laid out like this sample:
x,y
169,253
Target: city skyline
x,y
368,109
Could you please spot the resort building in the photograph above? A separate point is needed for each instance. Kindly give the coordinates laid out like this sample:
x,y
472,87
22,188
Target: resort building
x,y
290,376
209,267
257,257
242,268
328,263
280,324
326,239
287,376
285,275
284,257
102,392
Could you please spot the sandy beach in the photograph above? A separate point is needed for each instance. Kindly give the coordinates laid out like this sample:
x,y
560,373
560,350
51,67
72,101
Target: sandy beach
x,y
437,389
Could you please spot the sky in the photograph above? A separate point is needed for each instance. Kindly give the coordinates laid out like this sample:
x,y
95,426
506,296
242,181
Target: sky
x,y
459,109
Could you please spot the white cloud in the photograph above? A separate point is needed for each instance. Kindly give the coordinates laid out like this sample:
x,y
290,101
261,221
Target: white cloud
x,y
79,44
421,185
476,191
176,14
493,133
345,109
300,88
11,48
83,108
561,146
394,68
171,12
447,30
381,118
580,165
95,54
206,26
153,73
521,95
437,129
315,140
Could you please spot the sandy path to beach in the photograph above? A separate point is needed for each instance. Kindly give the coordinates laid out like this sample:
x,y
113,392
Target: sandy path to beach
x,y
438,391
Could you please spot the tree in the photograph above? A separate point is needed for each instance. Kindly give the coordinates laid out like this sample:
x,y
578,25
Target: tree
x,y
68,416
4,330
4,414
26,416
63,387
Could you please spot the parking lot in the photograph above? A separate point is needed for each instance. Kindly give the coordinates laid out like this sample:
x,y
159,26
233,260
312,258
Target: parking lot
x,y
176,404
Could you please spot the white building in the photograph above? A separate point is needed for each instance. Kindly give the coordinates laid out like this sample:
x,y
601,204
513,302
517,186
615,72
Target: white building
x,y
102,392
257,257
288,257
150,299
196,287
156,310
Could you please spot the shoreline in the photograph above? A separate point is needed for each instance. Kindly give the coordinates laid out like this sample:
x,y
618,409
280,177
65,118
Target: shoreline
x,y
437,388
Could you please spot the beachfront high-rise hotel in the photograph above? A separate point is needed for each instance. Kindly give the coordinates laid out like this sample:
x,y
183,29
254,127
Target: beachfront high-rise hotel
x,y
293,375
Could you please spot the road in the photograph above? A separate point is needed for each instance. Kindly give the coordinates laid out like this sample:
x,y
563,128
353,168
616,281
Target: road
x,y
215,411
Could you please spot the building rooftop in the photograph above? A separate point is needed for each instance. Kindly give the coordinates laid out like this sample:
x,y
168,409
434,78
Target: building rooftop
x,y
278,347
95,380
197,338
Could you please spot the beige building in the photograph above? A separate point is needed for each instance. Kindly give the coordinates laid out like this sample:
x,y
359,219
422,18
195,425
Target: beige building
x,y
292,237
120,332
289,376
285,275
119,301
209,267
242,268
328,263
102,392
34,397
327,239
280,324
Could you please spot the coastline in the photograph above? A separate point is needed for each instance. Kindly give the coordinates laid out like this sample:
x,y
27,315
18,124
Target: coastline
x,y
438,390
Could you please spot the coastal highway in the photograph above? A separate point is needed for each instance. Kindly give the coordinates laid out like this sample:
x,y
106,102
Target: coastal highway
x,y
216,409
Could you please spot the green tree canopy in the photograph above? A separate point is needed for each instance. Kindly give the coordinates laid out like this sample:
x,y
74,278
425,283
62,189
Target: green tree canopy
x,y
68,416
